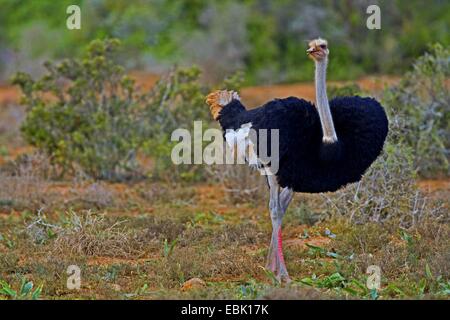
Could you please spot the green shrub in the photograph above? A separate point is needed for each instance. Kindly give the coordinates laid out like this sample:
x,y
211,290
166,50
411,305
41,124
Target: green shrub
x,y
420,103
345,90
179,100
87,114
84,112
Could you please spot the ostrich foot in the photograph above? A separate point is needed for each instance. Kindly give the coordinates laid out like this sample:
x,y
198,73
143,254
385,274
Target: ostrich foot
x,y
275,260
279,270
282,275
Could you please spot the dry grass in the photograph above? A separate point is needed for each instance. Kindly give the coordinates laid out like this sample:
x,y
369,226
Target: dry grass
x,y
184,263
24,184
172,234
150,255
388,191
404,256
11,116
241,183
92,235
95,195
153,193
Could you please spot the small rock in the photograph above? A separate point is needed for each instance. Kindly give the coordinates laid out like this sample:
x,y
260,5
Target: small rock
x,y
116,287
194,283
329,233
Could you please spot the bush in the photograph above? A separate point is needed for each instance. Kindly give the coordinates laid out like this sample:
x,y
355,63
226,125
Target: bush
x,y
387,192
179,101
176,101
87,113
84,113
350,89
421,105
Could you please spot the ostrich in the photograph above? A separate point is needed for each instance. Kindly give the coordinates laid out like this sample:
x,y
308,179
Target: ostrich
x,y
322,147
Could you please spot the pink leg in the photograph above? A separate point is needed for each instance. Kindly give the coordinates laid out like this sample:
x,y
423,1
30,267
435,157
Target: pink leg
x,y
280,247
282,271
279,201
275,258
272,256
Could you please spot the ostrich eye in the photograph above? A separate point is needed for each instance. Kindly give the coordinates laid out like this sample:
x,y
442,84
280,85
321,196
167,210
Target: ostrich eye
x,y
323,46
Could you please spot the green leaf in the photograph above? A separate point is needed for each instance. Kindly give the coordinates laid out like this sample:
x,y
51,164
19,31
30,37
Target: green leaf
x,y
428,272
271,276
406,237
37,293
422,285
26,288
374,294
396,289
351,291
168,249
316,248
359,285
7,290
307,281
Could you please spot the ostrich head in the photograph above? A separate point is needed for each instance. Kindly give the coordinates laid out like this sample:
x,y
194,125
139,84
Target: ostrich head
x,y
318,49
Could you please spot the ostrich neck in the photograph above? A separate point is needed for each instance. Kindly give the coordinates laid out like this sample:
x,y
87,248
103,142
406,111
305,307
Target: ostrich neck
x,y
326,121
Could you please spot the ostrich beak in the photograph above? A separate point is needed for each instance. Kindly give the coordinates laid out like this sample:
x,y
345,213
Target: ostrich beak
x,y
310,50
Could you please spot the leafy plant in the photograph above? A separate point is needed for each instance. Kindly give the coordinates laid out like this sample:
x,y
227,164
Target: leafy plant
x,y
341,285
91,118
168,248
25,291
444,287
87,113
8,242
249,290
420,104
345,90
331,281
321,252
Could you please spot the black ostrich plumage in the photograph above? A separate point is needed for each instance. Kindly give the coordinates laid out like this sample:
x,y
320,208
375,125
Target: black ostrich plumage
x,y
306,164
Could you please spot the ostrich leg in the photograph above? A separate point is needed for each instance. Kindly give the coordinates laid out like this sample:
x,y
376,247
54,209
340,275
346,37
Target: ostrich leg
x,y
278,204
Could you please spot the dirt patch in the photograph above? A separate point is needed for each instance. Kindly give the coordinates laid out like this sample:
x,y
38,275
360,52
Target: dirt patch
x,y
210,194
9,94
145,81
314,241
13,153
430,186
106,261
436,189
255,96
